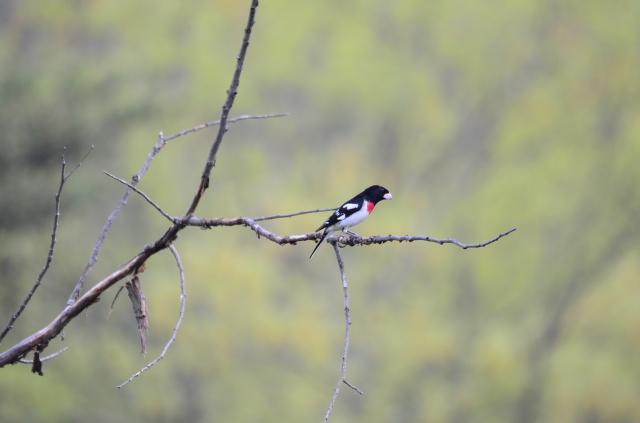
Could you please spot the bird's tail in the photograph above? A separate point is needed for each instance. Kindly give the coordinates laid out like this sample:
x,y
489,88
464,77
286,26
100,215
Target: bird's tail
x,y
324,235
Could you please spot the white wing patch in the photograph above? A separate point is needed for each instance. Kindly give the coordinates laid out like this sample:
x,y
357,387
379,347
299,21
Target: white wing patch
x,y
350,206
342,216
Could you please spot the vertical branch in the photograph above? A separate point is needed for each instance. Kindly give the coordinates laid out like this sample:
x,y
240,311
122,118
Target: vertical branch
x,y
52,245
347,336
226,108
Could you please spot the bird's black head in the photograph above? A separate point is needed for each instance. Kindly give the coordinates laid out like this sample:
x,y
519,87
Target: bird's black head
x,y
376,193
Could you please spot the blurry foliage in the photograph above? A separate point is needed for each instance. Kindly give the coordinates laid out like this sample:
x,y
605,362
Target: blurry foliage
x,y
478,117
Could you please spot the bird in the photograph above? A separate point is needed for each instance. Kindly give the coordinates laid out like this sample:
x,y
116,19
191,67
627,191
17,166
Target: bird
x,y
352,212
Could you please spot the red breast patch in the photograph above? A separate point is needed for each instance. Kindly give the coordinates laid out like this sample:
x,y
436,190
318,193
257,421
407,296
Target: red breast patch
x,y
370,206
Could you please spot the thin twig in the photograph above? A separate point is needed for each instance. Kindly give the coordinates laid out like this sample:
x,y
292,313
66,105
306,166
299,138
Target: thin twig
x,y
217,122
52,245
347,337
183,300
283,216
380,239
47,358
77,166
143,195
115,297
352,386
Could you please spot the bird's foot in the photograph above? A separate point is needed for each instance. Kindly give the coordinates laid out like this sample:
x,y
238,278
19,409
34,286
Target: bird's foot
x,y
348,232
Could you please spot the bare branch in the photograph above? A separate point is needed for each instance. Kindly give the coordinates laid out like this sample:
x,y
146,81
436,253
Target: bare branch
x,y
143,195
254,226
217,122
347,335
113,302
226,108
77,166
350,240
56,218
43,359
183,300
283,216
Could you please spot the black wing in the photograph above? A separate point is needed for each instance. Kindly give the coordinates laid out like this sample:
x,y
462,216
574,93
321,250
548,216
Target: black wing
x,y
345,210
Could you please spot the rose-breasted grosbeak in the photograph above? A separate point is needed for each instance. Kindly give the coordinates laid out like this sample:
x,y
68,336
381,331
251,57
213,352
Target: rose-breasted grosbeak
x,y
353,212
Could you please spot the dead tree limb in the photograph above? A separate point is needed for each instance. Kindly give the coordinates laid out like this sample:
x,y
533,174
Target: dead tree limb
x,y
76,303
346,240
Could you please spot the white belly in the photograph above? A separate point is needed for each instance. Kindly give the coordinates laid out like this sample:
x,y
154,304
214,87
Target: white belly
x,y
354,219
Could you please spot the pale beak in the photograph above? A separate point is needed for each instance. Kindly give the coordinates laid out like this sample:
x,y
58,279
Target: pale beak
x,y
387,196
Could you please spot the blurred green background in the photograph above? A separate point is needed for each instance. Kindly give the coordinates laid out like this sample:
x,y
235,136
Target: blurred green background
x,y
478,116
